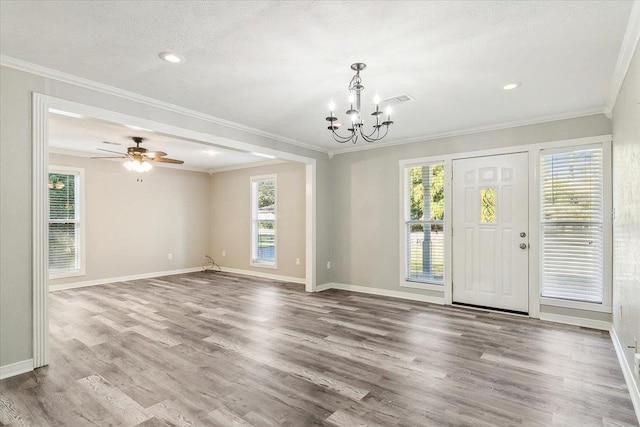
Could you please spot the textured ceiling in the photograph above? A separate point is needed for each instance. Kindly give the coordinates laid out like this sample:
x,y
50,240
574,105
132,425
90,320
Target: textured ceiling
x,y
275,65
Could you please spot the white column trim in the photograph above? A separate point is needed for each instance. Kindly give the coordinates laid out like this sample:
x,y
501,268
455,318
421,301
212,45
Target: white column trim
x,y
40,156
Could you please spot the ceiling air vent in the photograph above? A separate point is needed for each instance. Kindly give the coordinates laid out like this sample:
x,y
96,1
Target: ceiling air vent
x,y
399,99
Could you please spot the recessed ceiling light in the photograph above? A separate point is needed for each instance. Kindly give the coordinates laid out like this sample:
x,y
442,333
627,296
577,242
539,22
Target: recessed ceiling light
x,y
510,86
172,57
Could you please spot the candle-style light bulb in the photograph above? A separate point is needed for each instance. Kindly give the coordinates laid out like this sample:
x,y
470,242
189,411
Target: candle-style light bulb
x,y
376,99
332,106
351,98
388,112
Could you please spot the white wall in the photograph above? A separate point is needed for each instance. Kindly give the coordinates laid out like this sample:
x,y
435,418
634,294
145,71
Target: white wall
x,y
365,206
16,317
626,204
133,221
231,216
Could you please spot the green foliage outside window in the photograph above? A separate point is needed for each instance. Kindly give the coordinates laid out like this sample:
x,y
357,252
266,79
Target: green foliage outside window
x,y
436,191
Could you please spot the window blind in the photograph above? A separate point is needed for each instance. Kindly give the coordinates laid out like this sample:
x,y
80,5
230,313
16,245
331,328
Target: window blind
x,y
424,223
263,220
64,223
572,225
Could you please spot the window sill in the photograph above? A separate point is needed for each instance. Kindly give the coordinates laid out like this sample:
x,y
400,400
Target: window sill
x,y
578,305
423,285
264,264
66,274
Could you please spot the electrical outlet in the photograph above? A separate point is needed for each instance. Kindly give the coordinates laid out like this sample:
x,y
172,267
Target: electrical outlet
x,y
328,265
170,257
224,253
297,261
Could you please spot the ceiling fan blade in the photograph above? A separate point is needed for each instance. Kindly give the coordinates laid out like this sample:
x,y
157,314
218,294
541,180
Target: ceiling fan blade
x,y
167,160
115,157
154,154
110,151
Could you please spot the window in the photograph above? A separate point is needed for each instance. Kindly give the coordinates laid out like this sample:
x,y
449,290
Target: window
x,y
65,231
263,221
571,217
424,223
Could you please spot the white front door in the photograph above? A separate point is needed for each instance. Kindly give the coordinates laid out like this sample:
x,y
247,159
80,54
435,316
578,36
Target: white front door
x,y
490,231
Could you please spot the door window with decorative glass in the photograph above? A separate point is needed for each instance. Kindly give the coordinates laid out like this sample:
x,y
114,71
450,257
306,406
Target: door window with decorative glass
x,y
424,223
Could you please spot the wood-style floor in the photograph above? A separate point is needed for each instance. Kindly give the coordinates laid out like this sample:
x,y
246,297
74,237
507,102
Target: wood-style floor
x,y
220,349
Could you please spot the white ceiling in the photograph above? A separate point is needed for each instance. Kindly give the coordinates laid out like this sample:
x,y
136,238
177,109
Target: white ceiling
x,y
275,65
83,137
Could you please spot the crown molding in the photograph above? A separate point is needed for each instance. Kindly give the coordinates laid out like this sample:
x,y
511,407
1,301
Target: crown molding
x,y
629,43
245,166
18,64
479,129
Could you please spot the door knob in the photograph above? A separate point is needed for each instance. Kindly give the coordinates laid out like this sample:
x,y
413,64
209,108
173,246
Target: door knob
x,y
523,234
523,246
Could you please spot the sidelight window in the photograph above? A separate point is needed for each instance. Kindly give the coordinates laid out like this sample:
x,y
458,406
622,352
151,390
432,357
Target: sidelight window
x,y
424,223
572,224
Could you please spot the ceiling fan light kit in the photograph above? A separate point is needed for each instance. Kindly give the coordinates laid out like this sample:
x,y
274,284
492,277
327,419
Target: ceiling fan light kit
x,y
137,166
380,129
139,158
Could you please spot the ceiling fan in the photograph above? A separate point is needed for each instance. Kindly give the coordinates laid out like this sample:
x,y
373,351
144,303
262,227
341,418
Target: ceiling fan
x,y
139,157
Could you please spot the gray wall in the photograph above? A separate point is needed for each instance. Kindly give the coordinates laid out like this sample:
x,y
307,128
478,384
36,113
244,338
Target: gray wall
x,y
365,213
16,190
231,216
626,203
133,221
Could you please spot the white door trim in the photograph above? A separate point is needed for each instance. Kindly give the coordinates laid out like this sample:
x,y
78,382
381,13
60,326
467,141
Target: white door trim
x,y
40,146
534,207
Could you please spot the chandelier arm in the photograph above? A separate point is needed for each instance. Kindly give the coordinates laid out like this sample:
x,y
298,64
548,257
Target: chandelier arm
x,y
342,139
371,138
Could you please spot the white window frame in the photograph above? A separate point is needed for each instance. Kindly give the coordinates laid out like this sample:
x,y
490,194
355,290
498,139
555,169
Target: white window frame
x,y
254,261
80,228
405,198
607,231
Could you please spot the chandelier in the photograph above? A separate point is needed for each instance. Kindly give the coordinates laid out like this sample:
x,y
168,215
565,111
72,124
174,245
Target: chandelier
x,y
355,114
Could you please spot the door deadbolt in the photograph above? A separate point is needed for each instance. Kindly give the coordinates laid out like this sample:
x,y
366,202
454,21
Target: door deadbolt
x,y
523,234
523,246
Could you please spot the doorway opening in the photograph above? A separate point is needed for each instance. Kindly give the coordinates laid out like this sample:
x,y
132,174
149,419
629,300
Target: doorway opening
x,y
42,106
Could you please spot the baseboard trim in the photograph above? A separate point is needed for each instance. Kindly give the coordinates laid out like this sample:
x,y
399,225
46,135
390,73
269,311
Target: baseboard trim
x,y
323,287
108,280
381,292
264,275
629,377
17,368
575,321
